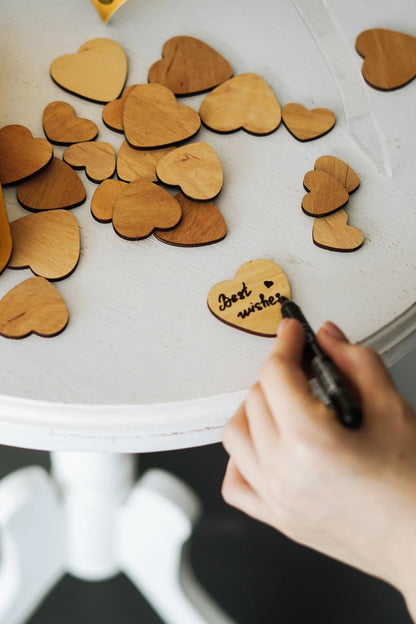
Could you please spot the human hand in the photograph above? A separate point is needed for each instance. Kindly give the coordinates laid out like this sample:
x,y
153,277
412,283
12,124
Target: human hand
x,y
348,493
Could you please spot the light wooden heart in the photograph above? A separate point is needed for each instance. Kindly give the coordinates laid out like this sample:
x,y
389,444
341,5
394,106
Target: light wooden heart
x,y
325,194
104,198
46,242
201,224
113,111
56,186
306,125
5,236
97,157
250,301
152,117
134,163
34,306
389,58
97,71
245,101
189,66
339,170
21,155
195,168
63,127
143,206
107,8
333,232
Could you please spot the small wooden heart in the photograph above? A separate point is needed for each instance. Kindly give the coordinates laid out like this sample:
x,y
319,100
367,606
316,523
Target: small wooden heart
x,y
133,163
5,236
97,71
107,8
389,58
245,101
338,169
152,117
201,224
21,155
63,127
98,159
34,306
143,206
306,125
333,233
325,194
245,303
195,168
56,186
104,198
47,242
189,66
113,111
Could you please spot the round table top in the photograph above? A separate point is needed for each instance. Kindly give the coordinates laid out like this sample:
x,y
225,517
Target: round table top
x,y
143,365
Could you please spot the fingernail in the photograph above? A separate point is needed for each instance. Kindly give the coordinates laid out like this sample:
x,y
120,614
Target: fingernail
x,y
282,325
332,330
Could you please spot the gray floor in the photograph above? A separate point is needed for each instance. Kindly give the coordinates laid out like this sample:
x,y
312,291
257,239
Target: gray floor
x,y
255,573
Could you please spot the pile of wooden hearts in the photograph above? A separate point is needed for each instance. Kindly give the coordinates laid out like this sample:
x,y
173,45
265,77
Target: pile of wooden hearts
x,y
329,186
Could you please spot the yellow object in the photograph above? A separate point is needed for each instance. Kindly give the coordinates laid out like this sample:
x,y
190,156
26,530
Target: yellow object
x,y
106,8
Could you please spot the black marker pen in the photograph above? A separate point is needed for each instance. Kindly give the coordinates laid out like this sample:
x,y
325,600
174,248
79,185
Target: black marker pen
x,y
327,375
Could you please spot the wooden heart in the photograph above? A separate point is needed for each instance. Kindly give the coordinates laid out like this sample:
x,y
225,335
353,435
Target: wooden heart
x,y
97,71
245,101
189,66
338,169
107,8
104,198
20,154
251,300
195,168
98,159
34,306
133,163
325,195
143,206
333,233
389,58
113,111
201,224
152,117
306,125
5,236
47,243
63,127
56,186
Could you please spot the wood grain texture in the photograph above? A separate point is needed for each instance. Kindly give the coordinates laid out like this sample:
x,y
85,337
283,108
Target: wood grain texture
x,y
62,126
134,163
201,224
250,300
104,198
339,170
334,233
5,236
96,72
325,194
34,306
56,186
245,101
98,158
113,111
46,242
389,58
189,66
195,168
306,125
21,155
143,206
152,117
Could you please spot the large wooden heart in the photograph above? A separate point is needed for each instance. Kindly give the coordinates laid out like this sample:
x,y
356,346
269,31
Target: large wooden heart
x,y
21,155
250,301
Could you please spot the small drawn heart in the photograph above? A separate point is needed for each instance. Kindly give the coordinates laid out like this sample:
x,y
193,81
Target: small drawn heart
x,y
325,194
242,302
46,242
333,233
389,58
63,127
245,101
98,159
195,168
21,155
5,236
268,283
113,111
339,170
189,66
97,71
104,198
306,125
34,306
134,163
152,117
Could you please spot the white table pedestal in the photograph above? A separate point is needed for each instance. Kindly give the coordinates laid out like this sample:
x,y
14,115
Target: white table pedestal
x,y
91,519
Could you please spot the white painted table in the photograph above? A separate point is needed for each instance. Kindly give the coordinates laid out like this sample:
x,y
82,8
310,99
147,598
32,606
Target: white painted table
x,y
143,365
